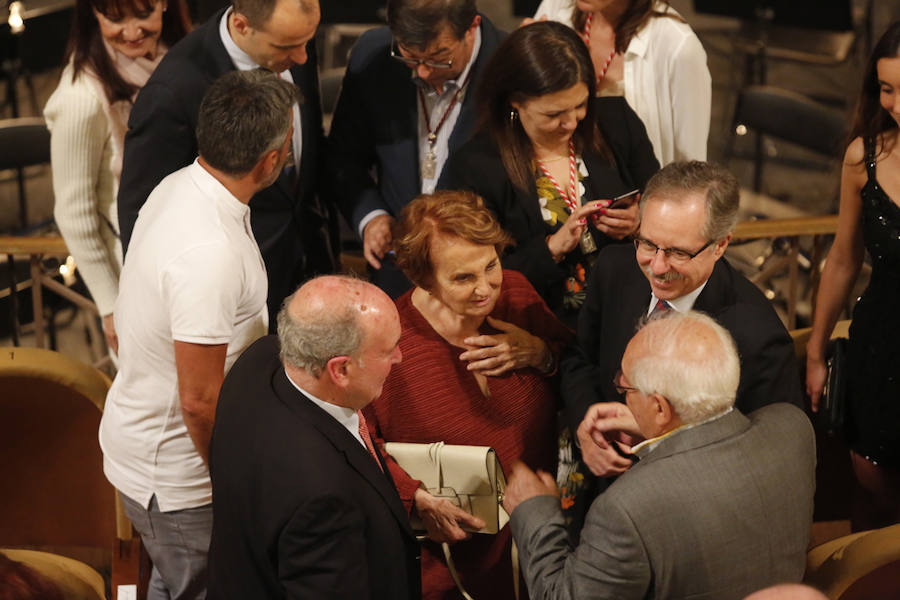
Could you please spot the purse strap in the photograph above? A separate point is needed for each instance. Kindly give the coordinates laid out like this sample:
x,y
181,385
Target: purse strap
x,y
514,557
434,452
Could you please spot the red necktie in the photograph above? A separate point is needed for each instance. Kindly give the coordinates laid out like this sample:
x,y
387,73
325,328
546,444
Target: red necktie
x,y
661,308
367,439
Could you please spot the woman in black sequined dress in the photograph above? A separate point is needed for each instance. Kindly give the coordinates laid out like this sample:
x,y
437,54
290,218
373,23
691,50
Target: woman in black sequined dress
x,y
869,220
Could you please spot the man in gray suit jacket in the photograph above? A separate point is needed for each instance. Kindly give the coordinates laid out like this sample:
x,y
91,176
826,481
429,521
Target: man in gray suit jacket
x,y
718,505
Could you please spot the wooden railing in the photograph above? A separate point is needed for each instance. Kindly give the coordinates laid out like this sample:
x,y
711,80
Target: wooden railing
x,y
792,229
36,248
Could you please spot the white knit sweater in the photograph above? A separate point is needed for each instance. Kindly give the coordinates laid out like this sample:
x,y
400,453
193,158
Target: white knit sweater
x,y
85,188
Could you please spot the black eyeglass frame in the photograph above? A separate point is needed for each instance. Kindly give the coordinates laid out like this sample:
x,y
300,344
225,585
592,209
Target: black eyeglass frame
x,y
622,389
414,63
680,253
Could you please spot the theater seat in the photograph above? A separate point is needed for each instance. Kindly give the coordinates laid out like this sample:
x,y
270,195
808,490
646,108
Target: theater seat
x,y
856,566
73,578
55,497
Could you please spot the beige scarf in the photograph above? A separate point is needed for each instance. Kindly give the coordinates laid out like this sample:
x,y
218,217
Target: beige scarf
x,y
135,71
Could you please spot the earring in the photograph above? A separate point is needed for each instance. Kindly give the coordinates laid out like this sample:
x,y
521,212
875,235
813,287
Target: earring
x,y
513,115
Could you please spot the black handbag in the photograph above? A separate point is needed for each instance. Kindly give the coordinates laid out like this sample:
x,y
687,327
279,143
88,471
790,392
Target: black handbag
x,y
833,404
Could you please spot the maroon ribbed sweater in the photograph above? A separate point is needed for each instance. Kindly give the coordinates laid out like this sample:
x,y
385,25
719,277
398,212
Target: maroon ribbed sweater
x,y
430,396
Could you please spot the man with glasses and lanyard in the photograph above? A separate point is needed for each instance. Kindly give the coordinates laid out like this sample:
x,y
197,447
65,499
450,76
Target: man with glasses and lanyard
x,y
688,212
407,101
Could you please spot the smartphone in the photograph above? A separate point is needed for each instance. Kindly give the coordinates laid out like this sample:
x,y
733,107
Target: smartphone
x,y
625,200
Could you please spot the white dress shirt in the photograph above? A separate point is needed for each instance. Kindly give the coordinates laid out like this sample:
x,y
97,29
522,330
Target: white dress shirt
x,y
243,62
347,417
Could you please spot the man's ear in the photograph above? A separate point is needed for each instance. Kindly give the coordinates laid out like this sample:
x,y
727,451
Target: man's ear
x,y
721,246
240,24
337,369
663,413
266,165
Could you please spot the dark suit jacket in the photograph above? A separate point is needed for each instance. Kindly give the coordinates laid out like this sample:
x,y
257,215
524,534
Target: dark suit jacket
x,y
619,296
286,218
375,126
301,510
478,167
715,512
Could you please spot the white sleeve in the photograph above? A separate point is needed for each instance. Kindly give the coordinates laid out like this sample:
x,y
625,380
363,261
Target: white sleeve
x,y
201,289
556,10
690,86
79,134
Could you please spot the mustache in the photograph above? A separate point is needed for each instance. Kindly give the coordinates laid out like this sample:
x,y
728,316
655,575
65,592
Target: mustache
x,y
665,277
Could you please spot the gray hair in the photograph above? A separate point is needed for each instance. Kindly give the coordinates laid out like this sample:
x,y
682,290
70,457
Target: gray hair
x,y
258,12
416,23
311,343
698,386
720,187
244,115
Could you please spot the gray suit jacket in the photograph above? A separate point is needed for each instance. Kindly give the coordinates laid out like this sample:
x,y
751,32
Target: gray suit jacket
x,y
714,512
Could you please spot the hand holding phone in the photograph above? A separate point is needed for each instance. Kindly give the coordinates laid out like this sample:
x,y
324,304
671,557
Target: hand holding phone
x,y
625,200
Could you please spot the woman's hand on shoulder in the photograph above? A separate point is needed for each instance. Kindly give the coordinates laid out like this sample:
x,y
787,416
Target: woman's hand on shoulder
x,y
497,354
443,521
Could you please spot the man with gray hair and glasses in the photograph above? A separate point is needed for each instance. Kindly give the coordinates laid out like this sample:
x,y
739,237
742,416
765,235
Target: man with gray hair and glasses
x,y
304,505
407,102
192,297
688,211
719,505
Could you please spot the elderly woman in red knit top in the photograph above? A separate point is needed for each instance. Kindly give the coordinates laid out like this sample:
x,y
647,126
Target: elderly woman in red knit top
x,y
479,349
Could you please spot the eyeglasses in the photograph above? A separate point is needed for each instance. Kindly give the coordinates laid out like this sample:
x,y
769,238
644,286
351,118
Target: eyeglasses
x,y
673,255
622,389
414,63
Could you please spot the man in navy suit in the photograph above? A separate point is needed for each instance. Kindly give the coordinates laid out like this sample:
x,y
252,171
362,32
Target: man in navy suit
x,y
688,212
406,103
303,506
288,221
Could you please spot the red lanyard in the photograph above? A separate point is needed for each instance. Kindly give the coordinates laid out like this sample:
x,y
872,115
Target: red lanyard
x,y
586,35
572,199
432,135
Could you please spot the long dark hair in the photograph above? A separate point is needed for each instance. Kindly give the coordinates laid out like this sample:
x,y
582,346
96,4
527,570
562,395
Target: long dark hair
x,y
538,59
86,48
870,119
633,19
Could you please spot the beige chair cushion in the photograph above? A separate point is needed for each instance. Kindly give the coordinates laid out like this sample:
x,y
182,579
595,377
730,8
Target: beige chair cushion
x,y
76,580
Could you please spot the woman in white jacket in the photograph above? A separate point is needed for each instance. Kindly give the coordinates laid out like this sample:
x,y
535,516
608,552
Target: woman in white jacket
x,y
645,51
114,46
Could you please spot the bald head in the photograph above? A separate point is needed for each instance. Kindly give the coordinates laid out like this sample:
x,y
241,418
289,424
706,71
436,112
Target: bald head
x,y
330,316
788,591
688,359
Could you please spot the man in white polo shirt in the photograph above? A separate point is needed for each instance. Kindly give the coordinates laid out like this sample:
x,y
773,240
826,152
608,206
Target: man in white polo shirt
x,y
192,297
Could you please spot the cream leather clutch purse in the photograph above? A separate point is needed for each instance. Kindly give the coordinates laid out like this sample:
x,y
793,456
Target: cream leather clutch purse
x,y
468,476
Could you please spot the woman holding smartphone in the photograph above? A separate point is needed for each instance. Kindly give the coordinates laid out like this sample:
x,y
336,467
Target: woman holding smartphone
x,y
549,158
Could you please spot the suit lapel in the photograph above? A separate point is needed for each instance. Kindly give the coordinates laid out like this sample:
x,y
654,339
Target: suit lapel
x,y
355,454
718,291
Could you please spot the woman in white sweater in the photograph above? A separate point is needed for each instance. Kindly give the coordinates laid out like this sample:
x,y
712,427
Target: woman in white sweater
x,y
113,48
645,51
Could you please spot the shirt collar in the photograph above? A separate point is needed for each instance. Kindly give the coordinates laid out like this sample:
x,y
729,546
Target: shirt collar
x,y
451,85
347,417
648,446
241,59
682,304
213,188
